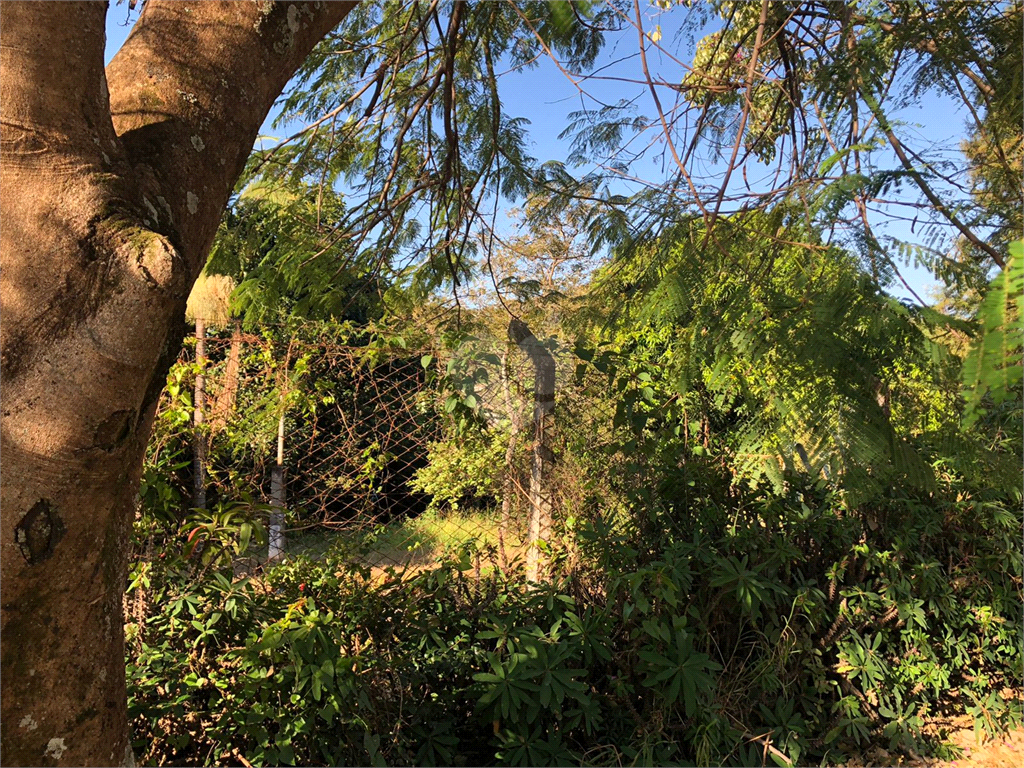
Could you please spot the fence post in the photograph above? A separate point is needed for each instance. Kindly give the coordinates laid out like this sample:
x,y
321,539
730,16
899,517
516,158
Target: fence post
x,y
542,460
198,417
510,483
277,504
278,498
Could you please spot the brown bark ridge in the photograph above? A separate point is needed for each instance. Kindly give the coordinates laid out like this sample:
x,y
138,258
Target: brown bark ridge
x,y
542,456
111,187
225,402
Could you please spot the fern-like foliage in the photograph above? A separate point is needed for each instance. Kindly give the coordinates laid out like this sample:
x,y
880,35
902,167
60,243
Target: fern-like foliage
x,y
279,243
993,370
794,345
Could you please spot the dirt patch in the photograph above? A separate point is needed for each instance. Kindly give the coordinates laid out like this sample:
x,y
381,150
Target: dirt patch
x,y
1004,752
408,564
1007,751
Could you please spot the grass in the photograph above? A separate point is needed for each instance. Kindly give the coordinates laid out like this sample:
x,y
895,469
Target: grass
x,y
411,542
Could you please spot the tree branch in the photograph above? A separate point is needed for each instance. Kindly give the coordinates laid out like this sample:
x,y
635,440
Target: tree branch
x,y
189,90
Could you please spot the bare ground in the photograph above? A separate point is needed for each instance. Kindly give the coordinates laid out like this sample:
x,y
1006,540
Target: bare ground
x,y
1004,752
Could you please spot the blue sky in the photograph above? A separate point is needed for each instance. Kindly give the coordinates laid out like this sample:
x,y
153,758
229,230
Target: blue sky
x,y
545,97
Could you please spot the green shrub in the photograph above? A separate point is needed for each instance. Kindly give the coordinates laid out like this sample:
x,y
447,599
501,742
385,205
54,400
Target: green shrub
x,y
462,472
796,631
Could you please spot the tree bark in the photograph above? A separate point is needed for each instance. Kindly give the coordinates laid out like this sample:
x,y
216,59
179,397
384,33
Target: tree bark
x,y
542,458
225,402
111,185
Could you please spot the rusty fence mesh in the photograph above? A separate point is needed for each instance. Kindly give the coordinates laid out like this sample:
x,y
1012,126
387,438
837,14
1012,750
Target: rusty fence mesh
x,y
399,453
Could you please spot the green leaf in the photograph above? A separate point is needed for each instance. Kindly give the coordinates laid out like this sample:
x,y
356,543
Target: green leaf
x,y
827,164
993,366
244,535
316,687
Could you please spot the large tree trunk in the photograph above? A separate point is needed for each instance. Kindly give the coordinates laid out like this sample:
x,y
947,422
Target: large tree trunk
x,y
110,200
542,457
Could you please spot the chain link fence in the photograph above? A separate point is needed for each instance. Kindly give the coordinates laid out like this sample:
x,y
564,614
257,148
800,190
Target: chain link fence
x,y
398,454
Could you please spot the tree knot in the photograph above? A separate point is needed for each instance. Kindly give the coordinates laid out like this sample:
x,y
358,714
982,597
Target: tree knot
x,y
38,533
